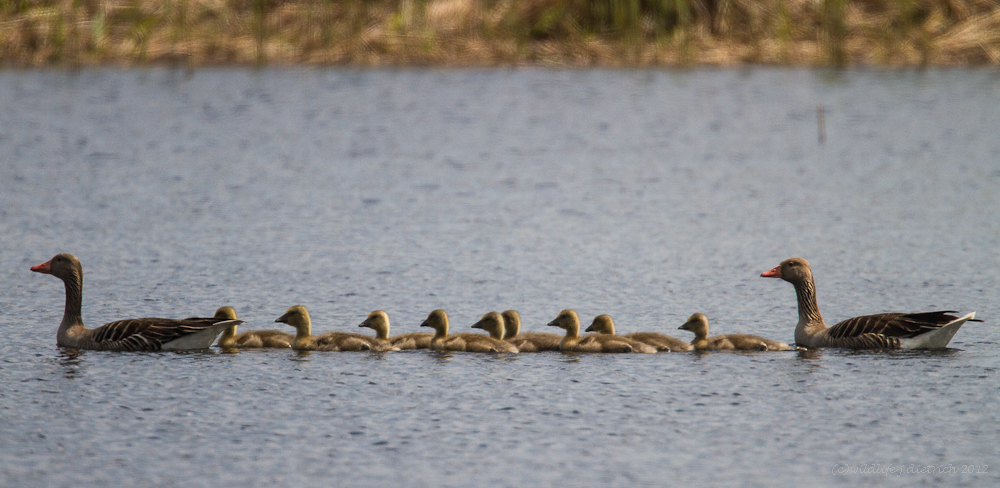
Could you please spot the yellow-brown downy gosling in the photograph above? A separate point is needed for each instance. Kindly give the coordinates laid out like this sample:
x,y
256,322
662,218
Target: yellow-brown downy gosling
x,y
698,324
379,322
251,338
572,342
604,325
298,317
527,341
468,342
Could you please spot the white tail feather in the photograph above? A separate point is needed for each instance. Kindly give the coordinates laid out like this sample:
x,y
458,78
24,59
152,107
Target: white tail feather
x,y
936,339
202,339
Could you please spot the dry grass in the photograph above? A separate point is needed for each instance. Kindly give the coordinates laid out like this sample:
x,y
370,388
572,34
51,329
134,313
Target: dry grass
x,y
500,32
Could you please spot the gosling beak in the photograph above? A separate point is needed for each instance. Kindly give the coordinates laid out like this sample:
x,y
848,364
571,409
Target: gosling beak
x,y
554,323
686,326
425,324
283,319
590,329
478,325
363,324
774,273
45,267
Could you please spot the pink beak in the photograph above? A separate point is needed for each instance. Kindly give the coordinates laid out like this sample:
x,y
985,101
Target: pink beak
x,y
774,273
45,267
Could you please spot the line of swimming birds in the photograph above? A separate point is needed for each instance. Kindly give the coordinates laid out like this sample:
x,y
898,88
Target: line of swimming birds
x,y
926,330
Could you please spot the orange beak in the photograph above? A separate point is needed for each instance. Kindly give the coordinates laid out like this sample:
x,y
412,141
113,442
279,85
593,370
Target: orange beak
x,y
774,273
45,267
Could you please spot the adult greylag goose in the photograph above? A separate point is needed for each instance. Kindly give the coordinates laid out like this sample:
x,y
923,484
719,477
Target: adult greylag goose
x,y
468,342
925,330
698,324
379,322
145,334
527,341
572,342
298,317
250,339
604,325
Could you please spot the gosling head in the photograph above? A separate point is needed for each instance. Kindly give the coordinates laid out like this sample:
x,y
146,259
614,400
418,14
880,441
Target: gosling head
x,y
567,319
228,335
602,325
296,316
378,321
493,323
63,266
698,324
792,270
225,313
511,323
437,320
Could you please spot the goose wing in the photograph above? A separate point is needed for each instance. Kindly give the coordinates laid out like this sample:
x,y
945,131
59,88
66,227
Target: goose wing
x,y
897,325
149,334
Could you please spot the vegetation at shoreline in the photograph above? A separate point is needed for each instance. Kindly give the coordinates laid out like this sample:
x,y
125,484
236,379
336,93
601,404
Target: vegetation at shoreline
x,y
500,32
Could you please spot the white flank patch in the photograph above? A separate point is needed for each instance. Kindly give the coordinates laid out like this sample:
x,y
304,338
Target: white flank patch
x,y
936,339
202,339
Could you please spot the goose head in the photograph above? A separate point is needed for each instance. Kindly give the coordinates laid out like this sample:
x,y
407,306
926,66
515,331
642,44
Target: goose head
x,y
568,320
298,317
602,325
792,270
697,323
437,320
225,313
493,323
63,266
379,322
511,323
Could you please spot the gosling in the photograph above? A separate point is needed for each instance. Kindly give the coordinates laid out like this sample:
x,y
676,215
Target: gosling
x,y
572,342
251,338
379,321
298,317
527,341
468,342
698,324
604,325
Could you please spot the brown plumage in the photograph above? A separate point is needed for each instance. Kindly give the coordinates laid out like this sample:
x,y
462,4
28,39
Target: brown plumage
x,y
144,334
925,330
379,322
251,339
468,342
298,317
572,342
698,324
604,325
527,341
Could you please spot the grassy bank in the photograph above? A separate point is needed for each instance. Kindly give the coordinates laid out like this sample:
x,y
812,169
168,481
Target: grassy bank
x,y
500,32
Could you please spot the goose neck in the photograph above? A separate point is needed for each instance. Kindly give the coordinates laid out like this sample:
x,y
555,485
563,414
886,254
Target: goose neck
x,y
228,337
74,299
303,331
71,329
573,330
810,320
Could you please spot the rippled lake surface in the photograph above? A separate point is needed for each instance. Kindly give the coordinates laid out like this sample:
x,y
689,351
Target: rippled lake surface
x,y
646,195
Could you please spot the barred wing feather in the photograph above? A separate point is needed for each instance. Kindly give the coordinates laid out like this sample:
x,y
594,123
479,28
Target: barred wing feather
x,y
147,334
893,325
